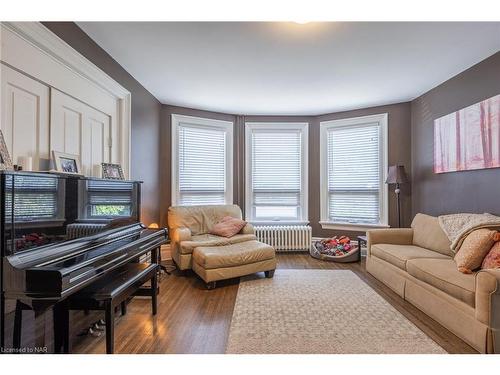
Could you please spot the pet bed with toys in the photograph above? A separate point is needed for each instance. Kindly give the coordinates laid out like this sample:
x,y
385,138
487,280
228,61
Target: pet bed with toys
x,y
335,249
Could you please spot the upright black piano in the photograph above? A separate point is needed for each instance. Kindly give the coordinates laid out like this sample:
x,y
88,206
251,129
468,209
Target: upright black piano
x,y
58,234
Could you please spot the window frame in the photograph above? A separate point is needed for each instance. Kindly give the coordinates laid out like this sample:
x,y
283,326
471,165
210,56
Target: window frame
x,y
85,207
325,126
201,122
303,127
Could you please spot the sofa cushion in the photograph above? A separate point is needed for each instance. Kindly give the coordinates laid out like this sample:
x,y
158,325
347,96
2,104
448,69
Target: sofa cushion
x,y
200,219
398,255
443,275
228,227
241,238
492,259
428,233
474,248
187,247
233,255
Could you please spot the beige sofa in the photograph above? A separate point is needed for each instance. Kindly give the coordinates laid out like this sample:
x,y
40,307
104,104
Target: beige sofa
x,y
212,257
417,264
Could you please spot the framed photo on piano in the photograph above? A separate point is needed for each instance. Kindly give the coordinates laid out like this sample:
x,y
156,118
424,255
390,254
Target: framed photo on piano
x,y
67,163
112,171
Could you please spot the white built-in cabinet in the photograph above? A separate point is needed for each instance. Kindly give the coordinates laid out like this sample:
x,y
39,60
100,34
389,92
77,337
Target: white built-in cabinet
x,y
37,119
53,99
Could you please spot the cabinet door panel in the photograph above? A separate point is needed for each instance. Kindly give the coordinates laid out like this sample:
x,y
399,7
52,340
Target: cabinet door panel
x,y
71,129
99,139
79,129
25,116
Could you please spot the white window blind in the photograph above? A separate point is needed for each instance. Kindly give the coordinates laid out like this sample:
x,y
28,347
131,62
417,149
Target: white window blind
x,y
35,198
276,177
353,163
203,163
354,168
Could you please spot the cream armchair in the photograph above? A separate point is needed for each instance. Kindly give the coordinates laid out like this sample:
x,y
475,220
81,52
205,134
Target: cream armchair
x,y
189,227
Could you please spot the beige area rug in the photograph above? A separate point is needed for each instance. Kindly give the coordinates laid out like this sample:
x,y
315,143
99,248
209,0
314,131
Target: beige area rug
x,y
319,311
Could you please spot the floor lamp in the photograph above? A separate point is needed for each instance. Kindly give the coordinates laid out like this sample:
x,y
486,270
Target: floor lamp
x,y
397,175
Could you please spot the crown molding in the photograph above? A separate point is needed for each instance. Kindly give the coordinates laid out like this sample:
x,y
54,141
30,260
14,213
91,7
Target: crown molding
x,y
45,40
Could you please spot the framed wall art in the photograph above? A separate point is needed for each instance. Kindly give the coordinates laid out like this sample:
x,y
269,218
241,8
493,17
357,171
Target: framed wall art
x,y
469,138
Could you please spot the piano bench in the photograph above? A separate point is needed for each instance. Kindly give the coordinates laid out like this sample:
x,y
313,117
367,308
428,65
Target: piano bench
x,y
110,292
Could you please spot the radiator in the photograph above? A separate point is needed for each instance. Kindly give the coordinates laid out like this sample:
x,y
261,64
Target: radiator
x,y
77,230
285,237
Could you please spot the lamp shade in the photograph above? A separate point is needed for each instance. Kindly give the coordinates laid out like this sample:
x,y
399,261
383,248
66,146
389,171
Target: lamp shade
x,y
396,175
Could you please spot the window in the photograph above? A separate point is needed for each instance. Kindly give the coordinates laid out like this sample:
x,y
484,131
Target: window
x,y
353,165
202,154
276,167
36,198
108,199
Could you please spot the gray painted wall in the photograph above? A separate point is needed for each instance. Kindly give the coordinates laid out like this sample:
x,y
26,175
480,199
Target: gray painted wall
x,y
467,191
146,111
399,152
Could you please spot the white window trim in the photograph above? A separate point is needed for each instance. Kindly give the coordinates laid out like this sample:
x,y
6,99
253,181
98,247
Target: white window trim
x,y
382,119
302,126
227,126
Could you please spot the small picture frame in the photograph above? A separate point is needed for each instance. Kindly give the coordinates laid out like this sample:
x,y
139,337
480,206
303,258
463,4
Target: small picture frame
x,y
67,163
5,160
112,171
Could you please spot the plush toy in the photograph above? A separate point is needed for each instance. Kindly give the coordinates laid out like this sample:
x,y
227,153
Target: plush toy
x,y
335,246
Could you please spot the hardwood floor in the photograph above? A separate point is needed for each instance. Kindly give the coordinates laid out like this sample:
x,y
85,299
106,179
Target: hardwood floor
x,y
192,319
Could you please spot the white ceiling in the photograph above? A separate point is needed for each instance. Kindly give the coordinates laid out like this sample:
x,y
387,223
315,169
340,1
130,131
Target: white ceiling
x,y
289,68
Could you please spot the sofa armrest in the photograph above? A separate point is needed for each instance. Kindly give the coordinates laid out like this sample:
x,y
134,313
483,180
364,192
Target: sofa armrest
x,y
487,290
180,234
488,303
248,229
396,236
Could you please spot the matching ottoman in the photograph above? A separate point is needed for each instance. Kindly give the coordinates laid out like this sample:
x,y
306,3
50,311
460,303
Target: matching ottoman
x,y
239,259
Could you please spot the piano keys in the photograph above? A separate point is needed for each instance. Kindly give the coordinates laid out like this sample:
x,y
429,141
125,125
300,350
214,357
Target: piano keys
x,y
58,270
41,266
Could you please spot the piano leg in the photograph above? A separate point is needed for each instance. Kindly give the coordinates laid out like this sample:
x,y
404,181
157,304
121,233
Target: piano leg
x,y
154,293
40,331
65,331
61,328
110,326
18,323
162,267
39,327
2,320
57,321
154,255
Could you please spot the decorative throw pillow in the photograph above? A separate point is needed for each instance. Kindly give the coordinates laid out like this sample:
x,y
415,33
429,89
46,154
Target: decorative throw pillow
x,y
492,259
474,248
228,226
